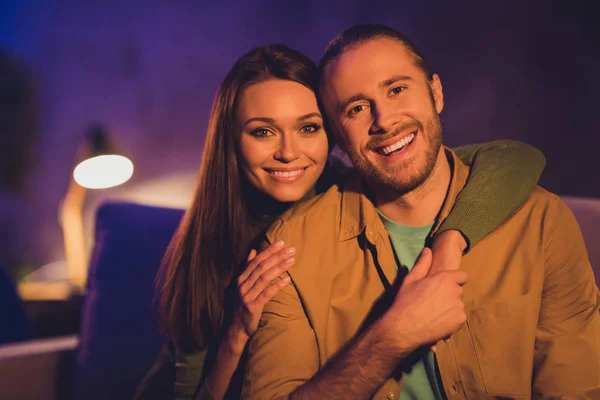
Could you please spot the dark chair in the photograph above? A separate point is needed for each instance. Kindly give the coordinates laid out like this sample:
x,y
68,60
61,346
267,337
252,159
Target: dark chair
x,y
14,326
120,339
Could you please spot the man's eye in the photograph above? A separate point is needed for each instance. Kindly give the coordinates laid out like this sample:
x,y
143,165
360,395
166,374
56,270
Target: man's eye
x,y
260,132
397,90
355,110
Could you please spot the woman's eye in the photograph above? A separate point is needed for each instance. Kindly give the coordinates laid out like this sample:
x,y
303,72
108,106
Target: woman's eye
x,y
310,128
260,132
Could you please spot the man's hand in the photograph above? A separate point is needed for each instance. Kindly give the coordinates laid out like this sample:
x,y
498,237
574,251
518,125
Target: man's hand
x,y
428,307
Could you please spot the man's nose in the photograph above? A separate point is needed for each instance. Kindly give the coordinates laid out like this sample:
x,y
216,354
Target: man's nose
x,y
385,117
288,149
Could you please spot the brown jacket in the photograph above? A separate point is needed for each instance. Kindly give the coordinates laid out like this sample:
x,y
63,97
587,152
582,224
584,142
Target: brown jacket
x,y
533,328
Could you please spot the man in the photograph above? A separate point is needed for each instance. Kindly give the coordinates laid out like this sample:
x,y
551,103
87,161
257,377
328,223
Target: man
x,y
525,325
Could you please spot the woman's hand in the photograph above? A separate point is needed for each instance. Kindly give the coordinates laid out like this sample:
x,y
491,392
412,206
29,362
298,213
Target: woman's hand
x,y
256,287
447,250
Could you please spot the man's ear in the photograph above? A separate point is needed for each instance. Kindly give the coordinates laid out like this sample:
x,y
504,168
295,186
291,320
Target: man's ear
x,y
437,92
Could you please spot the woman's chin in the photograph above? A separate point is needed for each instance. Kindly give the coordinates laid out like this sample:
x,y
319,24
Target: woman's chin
x,y
287,196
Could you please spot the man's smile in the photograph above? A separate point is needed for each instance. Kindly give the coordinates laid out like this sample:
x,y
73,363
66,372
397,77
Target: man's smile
x,y
397,146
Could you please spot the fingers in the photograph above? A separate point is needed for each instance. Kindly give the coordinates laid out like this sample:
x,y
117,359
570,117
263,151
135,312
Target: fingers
x,y
257,259
251,255
460,277
434,346
264,282
421,268
258,277
270,292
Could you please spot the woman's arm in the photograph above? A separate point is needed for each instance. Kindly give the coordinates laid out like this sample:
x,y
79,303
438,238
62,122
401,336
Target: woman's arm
x,y
256,286
503,174
158,382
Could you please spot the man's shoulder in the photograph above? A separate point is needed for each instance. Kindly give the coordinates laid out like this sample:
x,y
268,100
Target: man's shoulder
x,y
545,205
318,213
539,195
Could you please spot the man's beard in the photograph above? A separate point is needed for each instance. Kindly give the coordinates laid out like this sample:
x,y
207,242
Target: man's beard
x,y
389,178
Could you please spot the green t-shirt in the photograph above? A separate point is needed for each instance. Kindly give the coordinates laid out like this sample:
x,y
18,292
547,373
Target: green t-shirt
x,y
421,383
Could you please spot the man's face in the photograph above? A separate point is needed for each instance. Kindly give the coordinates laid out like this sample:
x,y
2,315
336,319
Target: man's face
x,y
385,112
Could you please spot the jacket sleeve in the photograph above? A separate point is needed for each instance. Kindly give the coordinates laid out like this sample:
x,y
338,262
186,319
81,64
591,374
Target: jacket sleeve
x,y
567,346
503,174
283,353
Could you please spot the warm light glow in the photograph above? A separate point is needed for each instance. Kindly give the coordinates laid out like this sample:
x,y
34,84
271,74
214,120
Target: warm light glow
x,y
103,172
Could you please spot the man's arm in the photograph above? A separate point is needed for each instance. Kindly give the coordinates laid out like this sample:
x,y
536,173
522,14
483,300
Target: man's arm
x,y
567,347
358,371
283,352
283,359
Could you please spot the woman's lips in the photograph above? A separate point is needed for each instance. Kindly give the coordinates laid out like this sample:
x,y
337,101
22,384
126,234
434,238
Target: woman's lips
x,y
287,175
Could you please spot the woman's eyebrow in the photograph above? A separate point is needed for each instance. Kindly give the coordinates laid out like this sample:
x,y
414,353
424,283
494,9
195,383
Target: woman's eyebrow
x,y
272,121
310,115
260,119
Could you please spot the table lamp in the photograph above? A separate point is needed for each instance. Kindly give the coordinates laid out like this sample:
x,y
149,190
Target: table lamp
x,y
99,166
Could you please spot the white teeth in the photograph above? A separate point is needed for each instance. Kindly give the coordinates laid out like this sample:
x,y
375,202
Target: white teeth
x,y
393,147
287,174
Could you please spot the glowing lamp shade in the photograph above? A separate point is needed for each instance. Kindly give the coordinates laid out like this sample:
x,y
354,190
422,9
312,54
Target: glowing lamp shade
x,y
103,171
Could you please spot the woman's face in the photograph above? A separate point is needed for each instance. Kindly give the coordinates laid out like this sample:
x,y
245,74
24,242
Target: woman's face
x,y
282,143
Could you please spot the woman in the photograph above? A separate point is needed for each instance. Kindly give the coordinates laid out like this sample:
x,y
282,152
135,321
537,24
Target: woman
x,y
265,150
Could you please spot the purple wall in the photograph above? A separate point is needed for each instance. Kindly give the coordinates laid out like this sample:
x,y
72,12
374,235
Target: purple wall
x,y
148,70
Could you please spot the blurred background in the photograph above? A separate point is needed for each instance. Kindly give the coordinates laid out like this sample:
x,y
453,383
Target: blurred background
x,y
147,71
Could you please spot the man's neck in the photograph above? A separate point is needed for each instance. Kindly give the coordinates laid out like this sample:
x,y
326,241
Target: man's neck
x,y
420,206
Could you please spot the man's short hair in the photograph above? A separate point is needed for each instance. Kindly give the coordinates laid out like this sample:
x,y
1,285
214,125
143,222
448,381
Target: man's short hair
x,y
359,34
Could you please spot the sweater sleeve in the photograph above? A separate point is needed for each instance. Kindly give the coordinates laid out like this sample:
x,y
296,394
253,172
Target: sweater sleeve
x,y
503,174
188,373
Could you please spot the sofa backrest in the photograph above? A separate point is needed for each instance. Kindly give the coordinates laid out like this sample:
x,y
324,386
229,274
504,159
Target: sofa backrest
x,y
120,338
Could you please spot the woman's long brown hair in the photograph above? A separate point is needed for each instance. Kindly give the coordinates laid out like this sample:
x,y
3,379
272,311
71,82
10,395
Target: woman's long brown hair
x,y
213,238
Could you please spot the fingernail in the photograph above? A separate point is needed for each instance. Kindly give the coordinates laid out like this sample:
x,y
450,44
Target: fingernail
x,y
279,243
290,250
285,278
290,260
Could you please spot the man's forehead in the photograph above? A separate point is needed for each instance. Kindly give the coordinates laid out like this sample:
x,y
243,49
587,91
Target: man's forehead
x,y
368,63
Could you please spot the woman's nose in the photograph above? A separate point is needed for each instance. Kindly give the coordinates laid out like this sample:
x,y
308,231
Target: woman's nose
x,y
288,149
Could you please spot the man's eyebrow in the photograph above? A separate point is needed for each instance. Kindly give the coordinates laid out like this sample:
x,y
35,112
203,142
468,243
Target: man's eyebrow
x,y
310,115
260,119
394,79
350,100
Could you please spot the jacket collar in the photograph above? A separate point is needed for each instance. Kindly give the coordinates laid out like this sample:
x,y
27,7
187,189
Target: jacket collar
x,y
359,214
